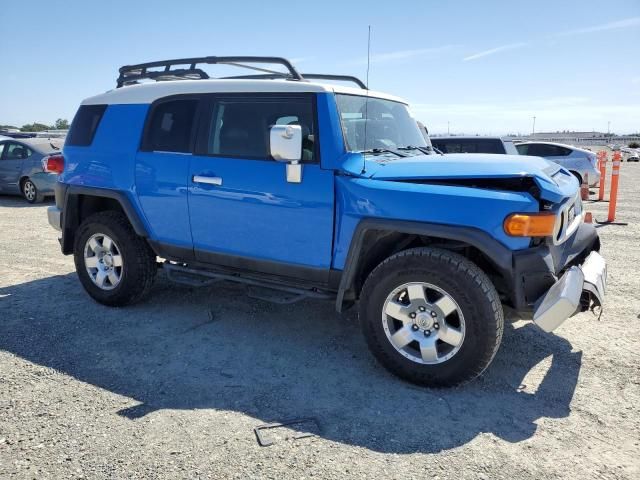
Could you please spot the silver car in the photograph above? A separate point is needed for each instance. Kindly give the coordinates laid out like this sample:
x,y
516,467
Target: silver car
x,y
578,161
22,170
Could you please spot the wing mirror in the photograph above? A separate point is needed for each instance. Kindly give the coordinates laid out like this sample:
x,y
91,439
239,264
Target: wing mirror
x,y
286,146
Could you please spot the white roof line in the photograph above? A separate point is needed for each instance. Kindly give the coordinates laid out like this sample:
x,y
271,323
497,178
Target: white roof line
x,y
146,93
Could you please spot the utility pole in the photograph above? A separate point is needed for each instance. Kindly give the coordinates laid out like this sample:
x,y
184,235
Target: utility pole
x,y
609,128
447,127
533,130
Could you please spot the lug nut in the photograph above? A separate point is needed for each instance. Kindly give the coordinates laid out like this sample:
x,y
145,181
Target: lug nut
x,y
427,333
434,314
422,309
414,327
436,326
412,315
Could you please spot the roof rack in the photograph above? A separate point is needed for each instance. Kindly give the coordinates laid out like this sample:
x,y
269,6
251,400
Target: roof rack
x,y
132,74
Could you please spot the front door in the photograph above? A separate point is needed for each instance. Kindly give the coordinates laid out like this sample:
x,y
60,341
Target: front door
x,y
243,211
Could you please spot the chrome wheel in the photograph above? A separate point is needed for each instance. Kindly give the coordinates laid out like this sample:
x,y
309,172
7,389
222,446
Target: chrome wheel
x,y
29,190
103,261
423,323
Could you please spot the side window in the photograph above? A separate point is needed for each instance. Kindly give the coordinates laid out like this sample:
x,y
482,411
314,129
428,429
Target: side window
x,y
523,149
170,125
240,126
16,151
1,150
84,125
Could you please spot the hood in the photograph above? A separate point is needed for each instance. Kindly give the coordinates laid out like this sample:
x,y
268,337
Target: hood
x,y
555,182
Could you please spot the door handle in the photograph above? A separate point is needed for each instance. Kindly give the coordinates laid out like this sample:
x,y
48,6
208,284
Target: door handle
x,y
208,180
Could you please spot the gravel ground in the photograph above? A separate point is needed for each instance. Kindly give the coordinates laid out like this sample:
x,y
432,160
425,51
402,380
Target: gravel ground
x,y
173,387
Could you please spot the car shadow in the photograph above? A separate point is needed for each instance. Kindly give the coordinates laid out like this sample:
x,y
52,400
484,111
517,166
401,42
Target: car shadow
x,y
215,348
16,201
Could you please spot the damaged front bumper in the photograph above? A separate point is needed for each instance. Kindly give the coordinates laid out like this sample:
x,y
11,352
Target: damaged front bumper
x,y
580,288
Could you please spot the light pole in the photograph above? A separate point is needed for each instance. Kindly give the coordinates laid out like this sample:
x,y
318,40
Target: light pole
x,y
609,128
533,129
447,127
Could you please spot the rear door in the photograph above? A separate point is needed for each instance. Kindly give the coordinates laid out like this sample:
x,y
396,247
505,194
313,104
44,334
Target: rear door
x,y
162,171
11,159
243,211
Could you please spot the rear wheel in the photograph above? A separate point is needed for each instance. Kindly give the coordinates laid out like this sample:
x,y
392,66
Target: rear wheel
x,y
30,191
115,266
431,317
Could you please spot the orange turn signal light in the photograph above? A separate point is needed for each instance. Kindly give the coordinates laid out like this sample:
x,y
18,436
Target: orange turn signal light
x,y
530,224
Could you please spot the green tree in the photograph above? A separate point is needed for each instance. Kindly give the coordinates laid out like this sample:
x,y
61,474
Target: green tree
x,y
35,127
62,124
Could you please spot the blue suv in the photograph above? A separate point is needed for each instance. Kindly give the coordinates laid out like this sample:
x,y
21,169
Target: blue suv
x,y
320,190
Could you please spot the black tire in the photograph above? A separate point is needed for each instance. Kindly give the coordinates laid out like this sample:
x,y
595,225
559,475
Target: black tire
x,y
30,191
469,287
139,261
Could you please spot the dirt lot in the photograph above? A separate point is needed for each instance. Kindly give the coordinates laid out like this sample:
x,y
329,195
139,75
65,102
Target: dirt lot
x,y
173,387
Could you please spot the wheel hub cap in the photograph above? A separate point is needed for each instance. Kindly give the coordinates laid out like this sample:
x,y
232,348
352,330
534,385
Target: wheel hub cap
x,y
423,323
103,261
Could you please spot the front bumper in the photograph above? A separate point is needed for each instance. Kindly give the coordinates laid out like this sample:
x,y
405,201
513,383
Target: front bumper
x,y
580,288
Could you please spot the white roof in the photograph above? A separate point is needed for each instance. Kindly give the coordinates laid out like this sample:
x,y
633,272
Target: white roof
x,y
148,92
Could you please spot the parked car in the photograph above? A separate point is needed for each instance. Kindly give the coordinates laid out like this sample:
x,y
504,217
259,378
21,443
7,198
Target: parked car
x,y
578,161
631,154
320,191
23,167
474,145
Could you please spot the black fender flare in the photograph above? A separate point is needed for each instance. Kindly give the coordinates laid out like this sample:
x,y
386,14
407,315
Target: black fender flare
x,y
70,210
500,256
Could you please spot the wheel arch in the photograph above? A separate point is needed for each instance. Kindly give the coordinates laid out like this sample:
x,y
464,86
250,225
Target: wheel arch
x,y
80,202
374,240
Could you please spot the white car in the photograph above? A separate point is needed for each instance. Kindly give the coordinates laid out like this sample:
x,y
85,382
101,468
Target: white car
x,y
578,161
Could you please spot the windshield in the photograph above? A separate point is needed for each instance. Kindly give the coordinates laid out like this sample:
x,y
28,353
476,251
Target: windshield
x,y
385,124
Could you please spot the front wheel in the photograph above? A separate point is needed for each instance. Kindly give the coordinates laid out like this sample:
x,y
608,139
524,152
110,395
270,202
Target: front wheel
x,y
115,266
431,316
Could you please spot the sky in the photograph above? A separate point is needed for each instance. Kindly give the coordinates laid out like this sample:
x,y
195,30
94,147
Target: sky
x,y
470,67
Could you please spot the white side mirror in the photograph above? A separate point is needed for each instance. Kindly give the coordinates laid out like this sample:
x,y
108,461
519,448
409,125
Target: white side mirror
x,y
286,143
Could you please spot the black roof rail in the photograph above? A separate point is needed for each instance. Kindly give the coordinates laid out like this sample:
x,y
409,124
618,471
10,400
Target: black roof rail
x,y
132,74
341,78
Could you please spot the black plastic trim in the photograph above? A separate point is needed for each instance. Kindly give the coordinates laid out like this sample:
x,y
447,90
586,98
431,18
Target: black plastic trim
x,y
70,210
500,255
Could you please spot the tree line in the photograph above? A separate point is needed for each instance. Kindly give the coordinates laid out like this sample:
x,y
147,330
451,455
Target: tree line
x,y
60,124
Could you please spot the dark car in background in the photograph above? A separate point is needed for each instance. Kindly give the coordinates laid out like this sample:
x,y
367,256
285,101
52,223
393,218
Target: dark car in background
x,y
23,167
460,144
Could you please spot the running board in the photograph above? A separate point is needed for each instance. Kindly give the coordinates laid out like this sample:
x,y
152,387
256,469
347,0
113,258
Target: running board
x,y
265,290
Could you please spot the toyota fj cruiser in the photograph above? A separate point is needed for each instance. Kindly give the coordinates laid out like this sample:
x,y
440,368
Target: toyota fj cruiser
x,y
319,190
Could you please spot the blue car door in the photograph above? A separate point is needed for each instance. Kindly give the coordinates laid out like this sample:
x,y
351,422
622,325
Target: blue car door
x,y
243,211
12,155
162,170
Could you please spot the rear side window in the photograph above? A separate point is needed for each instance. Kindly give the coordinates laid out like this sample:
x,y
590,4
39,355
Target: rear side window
x,y
468,146
545,150
85,124
170,125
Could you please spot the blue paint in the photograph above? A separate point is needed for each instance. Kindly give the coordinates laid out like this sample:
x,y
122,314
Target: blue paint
x,y
256,213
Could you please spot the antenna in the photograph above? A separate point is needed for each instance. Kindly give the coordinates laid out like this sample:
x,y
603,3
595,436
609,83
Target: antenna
x,y
366,102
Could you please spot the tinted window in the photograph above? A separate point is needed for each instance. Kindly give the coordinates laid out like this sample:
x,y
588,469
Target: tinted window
x,y
16,151
544,150
84,125
170,125
240,126
1,149
480,145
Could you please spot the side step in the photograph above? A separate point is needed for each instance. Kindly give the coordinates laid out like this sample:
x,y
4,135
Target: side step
x,y
270,291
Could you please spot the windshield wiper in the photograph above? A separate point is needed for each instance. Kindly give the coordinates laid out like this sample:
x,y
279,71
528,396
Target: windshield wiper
x,y
377,151
425,150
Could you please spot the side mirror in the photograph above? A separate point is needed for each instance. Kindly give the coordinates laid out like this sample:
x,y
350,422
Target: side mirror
x,y
286,146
